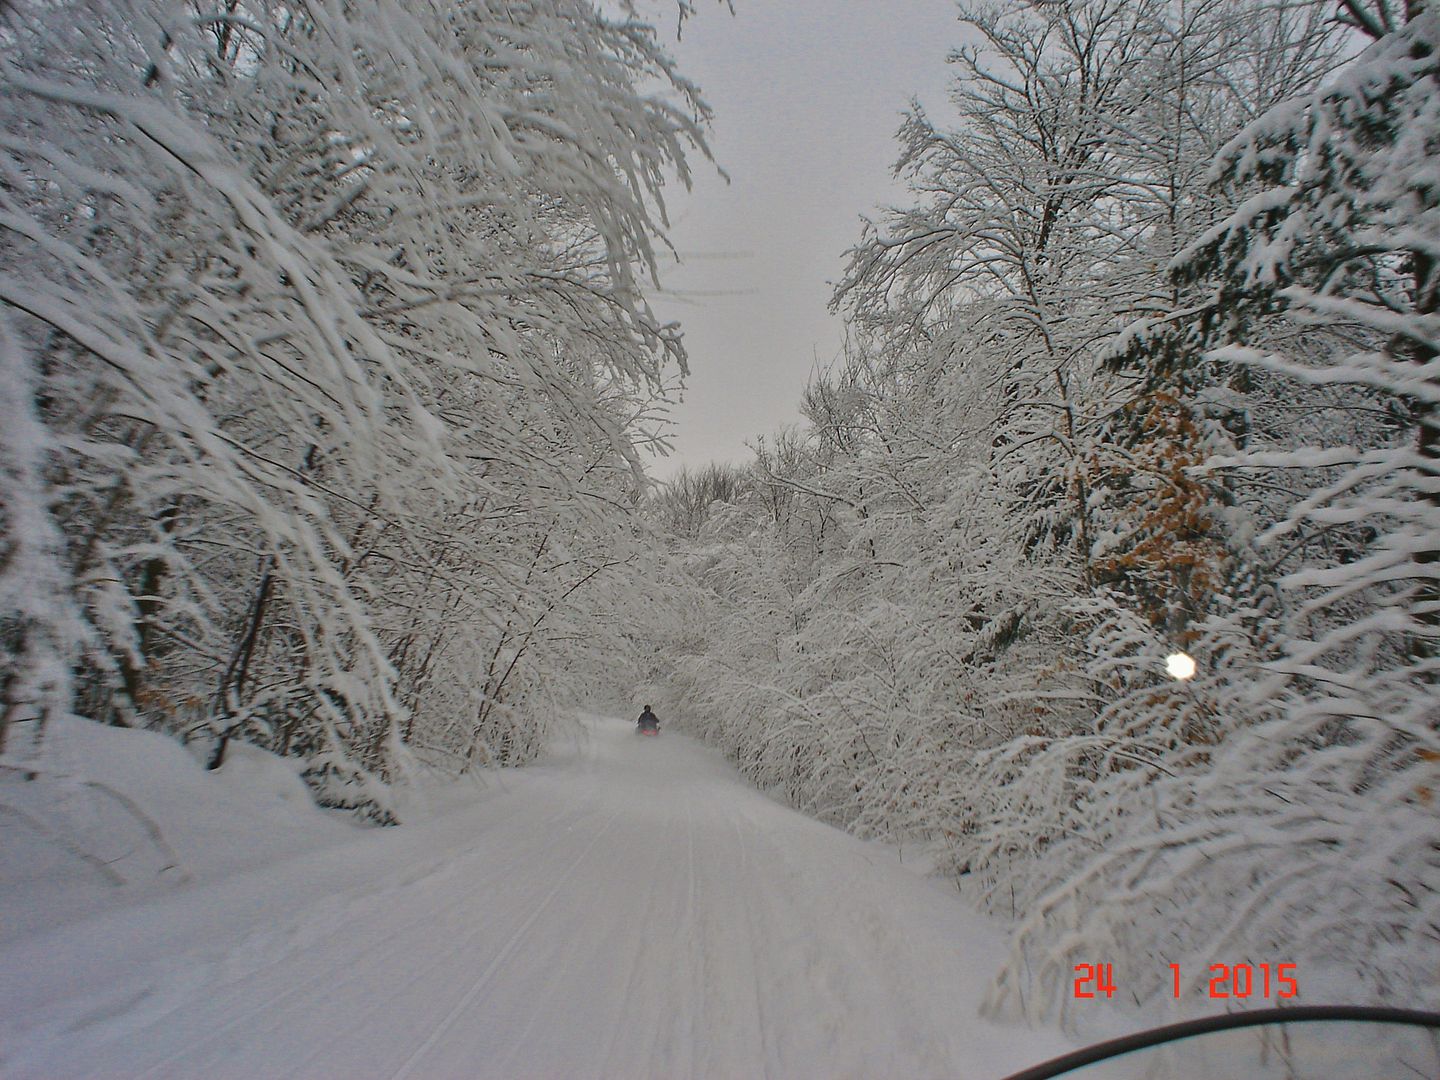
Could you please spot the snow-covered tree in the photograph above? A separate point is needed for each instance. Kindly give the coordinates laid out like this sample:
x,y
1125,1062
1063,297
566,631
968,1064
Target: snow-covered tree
x,y
1047,461
1313,824
327,318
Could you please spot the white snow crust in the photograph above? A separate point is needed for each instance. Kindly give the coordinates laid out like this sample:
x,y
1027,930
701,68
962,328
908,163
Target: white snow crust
x,y
631,908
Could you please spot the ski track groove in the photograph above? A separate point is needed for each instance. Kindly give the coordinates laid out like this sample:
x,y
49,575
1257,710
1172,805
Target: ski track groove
x,y
327,978
765,1043
659,1016
357,972
692,926
496,962
637,958
571,812
653,916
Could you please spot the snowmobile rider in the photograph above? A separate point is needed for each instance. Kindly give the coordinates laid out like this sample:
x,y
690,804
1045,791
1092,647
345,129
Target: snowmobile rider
x,y
648,721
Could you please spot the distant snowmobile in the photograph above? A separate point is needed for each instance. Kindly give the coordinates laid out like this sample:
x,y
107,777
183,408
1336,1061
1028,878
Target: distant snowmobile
x,y
648,724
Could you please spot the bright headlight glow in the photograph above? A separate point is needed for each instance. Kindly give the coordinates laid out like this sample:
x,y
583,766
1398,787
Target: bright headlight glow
x,y
1180,665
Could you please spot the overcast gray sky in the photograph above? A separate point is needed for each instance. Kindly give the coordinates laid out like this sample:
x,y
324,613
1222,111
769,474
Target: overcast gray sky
x,y
807,97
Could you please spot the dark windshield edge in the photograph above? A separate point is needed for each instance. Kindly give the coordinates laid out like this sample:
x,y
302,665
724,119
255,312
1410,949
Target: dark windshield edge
x,y
1374,1014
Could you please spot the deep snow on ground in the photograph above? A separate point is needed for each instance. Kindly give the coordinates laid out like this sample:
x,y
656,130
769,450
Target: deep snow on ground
x,y
630,908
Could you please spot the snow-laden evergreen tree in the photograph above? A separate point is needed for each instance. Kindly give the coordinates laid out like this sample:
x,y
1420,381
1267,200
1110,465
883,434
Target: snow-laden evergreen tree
x,y
327,329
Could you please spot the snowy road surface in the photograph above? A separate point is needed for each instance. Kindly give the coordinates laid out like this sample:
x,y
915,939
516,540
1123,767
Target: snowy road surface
x,y
629,909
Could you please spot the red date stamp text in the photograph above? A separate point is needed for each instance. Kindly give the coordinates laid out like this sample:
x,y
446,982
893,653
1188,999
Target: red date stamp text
x,y
1230,981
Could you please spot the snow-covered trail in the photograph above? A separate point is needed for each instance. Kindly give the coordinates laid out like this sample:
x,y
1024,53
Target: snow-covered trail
x,y
630,909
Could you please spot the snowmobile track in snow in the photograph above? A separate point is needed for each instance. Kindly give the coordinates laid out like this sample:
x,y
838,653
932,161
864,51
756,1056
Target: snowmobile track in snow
x,y
487,976
630,908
